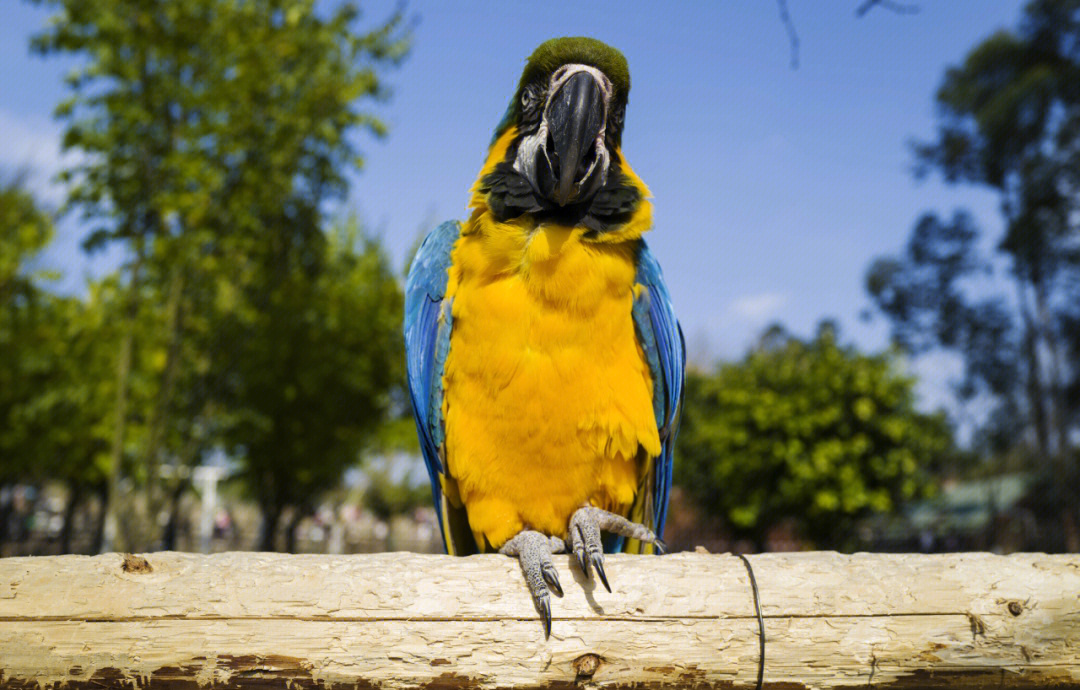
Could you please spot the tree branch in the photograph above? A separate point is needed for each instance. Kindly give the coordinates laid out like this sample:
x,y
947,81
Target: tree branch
x,y
793,36
892,5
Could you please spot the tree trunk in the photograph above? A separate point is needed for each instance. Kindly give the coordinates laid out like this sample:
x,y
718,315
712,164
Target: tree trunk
x,y
123,372
1035,388
189,452
74,498
169,533
159,416
1070,531
1059,419
1057,380
271,515
123,375
5,513
294,522
98,541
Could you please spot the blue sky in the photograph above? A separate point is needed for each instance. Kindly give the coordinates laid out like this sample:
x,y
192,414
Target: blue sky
x,y
774,188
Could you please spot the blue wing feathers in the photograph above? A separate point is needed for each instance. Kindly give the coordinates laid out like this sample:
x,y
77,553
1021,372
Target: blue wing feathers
x,y
644,326
442,349
662,341
427,340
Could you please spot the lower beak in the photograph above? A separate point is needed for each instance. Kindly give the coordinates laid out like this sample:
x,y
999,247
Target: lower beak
x,y
575,117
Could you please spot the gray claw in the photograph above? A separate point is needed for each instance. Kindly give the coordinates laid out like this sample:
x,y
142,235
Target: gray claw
x,y
577,543
598,561
544,605
585,539
585,526
533,551
551,576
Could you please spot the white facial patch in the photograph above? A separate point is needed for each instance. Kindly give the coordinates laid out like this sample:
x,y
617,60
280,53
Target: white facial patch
x,y
563,74
534,144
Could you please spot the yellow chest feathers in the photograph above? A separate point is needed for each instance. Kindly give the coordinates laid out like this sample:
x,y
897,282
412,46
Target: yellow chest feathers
x,y
548,397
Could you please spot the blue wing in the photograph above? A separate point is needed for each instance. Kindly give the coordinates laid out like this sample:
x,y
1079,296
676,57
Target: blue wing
x,y
662,341
428,321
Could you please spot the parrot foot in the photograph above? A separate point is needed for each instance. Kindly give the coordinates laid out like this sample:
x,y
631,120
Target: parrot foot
x,y
533,551
584,538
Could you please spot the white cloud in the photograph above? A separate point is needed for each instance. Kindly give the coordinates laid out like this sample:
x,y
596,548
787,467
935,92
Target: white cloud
x,y
32,145
759,307
735,326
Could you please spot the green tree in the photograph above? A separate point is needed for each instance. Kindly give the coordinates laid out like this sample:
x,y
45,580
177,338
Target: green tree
x,y
313,371
1009,120
214,133
64,422
924,294
25,229
810,431
55,379
388,495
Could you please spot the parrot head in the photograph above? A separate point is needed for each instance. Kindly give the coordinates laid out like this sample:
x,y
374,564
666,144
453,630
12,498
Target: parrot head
x,y
558,144
569,113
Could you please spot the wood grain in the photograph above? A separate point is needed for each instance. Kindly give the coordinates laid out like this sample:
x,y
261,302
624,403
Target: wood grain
x,y
254,620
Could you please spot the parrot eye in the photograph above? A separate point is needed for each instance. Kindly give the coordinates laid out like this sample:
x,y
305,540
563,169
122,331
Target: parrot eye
x,y
529,99
616,119
615,124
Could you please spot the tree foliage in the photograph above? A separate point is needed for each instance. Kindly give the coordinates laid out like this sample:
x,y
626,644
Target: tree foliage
x,y
806,430
207,116
311,377
25,229
1009,120
216,135
58,354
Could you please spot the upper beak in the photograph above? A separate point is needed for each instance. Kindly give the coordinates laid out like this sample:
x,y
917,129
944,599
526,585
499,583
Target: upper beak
x,y
575,116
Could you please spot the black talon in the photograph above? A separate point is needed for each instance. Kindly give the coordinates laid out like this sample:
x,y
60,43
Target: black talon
x,y
582,561
552,578
580,552
545,613
533,551
598,562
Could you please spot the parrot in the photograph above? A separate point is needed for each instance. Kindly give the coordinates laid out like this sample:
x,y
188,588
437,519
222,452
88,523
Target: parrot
x,y
545,362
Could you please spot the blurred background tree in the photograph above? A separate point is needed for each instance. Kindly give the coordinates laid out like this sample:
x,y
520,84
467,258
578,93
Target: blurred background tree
x,y
313,370
57,350
213,134
807,431
27,229
1009,120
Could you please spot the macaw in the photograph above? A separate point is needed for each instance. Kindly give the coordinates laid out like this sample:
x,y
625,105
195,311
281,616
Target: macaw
x,y
545,362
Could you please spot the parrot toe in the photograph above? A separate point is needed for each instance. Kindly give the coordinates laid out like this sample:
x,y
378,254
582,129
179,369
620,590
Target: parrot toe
x,y
585,527
533,551
586,544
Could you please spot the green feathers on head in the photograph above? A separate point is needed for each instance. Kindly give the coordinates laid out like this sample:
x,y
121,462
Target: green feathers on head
x,y
556,52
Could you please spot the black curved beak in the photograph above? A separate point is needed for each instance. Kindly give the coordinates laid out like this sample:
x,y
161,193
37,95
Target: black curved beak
x,y
575,116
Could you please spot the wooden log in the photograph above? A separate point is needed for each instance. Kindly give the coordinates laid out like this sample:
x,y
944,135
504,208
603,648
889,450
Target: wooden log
x,y
256,620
